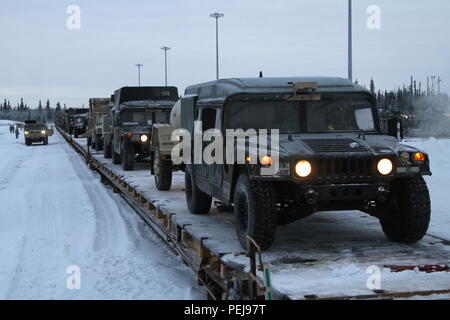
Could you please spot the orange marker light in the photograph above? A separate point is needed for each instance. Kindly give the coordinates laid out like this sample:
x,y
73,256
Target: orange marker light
x,y
266,161
419,157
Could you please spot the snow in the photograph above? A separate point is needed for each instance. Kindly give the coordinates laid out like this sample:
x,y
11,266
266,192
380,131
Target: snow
x,y
55,213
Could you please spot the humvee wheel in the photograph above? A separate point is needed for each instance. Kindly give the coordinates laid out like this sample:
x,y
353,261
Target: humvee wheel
x,y
127,157
107,152
255,212
45,142
163,172
27,142
89,141
98,143
198,202
409,211
116,158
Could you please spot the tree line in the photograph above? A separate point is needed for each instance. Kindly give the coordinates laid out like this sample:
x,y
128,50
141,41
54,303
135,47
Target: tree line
x,y
22,111
416,101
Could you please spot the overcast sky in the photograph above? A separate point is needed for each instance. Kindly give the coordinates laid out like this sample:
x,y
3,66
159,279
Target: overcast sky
x,y
41,58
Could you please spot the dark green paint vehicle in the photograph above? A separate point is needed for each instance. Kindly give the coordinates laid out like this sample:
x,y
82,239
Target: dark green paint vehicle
x,y
135,111
332,156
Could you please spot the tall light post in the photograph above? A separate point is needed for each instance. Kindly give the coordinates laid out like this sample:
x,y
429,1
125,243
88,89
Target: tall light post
x,y
350,42
217,16
165,60
139,66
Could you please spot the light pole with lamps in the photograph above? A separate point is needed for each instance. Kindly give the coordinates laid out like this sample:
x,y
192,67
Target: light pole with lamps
x,y
139,66
217,16
165,48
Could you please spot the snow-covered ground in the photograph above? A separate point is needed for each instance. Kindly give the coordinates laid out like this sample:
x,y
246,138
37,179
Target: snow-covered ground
x,y
55,213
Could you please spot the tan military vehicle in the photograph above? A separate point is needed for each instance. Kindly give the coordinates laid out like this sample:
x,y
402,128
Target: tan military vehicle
x,y
161,145
37,132
98,108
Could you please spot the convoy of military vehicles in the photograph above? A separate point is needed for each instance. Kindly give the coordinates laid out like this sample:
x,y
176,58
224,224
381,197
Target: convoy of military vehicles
x,y
331,151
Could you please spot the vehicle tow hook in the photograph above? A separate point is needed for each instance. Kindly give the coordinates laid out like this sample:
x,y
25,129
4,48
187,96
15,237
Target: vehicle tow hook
x,y
311,196
382,193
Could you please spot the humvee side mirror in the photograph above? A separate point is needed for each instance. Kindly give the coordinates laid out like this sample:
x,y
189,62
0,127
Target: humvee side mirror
x,y
395,128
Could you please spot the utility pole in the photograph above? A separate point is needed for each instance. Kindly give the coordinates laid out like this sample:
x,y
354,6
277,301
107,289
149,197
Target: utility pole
x,y
217,16
350,42
139,66
165,48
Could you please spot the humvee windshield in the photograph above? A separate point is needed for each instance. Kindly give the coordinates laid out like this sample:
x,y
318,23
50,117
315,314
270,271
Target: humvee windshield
x,y
144,118
35,127
302,117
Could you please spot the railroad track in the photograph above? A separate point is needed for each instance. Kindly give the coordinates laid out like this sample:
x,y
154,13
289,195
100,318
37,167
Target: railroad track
x,y
227,271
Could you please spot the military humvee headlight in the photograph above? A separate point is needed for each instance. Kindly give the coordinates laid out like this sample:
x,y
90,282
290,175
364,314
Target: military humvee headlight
x,y
385,167
144,138
26,132
419,158
303,168
43,131
405,157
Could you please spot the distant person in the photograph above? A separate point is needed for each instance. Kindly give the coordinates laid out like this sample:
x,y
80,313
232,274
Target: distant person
x,y
11,128
17,132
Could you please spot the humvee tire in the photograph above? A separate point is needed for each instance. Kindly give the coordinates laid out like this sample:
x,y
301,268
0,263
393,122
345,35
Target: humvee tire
x,y
255,212
116,159
198,202
45,142
27,142
107,150
127,156
409,212
89,141
162,169
98,143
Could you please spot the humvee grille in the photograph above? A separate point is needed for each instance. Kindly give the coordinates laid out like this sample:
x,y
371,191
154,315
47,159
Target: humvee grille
x,y
334,145
345,168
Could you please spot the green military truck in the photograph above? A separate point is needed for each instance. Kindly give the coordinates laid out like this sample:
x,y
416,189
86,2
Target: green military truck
x,y
332,156
135,111
98,109
80,125
37,132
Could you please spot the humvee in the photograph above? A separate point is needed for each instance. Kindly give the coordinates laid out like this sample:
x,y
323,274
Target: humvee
x,y
332,157
37,132
135,111
98,108
161,145
80,124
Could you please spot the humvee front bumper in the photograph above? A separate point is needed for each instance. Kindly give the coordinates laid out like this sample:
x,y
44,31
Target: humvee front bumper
x,y
343,193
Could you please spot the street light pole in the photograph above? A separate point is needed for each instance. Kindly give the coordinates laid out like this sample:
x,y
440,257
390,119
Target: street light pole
x,y
165,60
139,66
217,16
350,42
